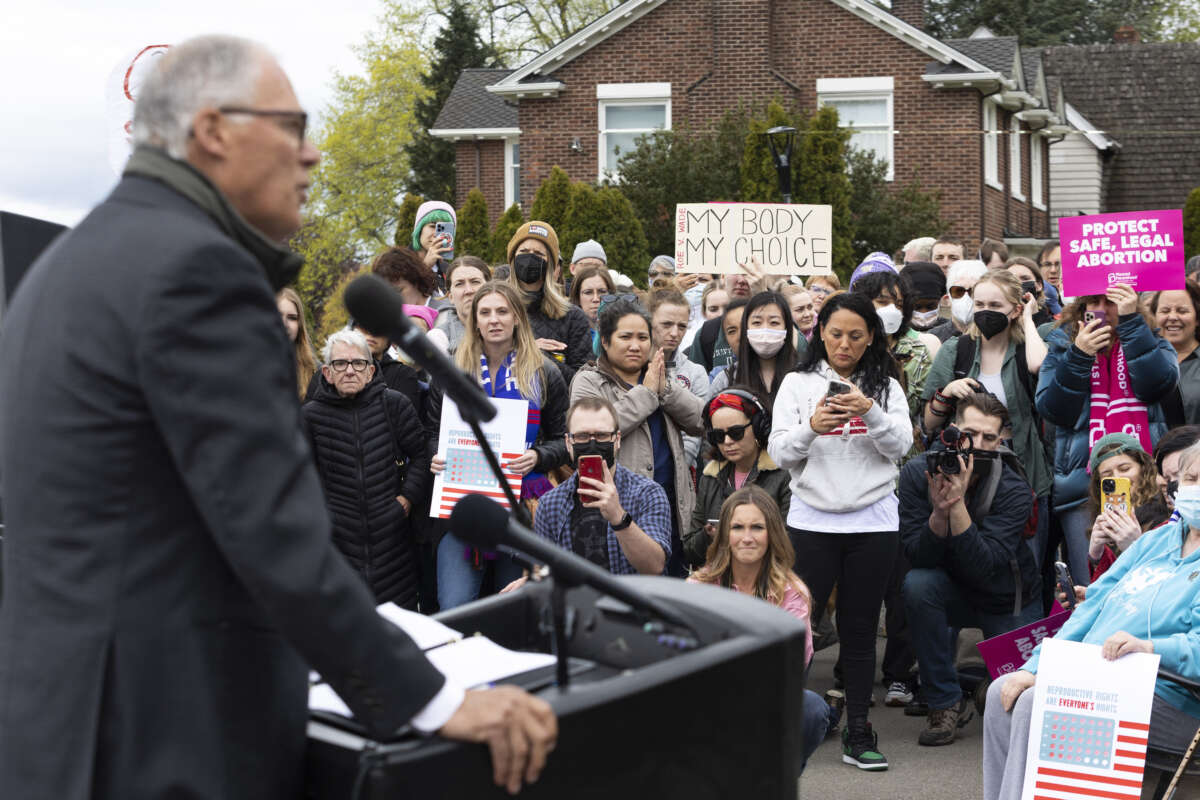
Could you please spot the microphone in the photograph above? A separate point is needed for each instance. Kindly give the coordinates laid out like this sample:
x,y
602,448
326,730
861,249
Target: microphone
x,y
482,522
379,308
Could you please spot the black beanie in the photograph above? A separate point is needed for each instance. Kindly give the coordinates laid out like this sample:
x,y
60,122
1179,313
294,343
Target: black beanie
x,y
927,279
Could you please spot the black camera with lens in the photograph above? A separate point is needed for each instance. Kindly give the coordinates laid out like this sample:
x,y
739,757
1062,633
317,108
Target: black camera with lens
x,y
946,462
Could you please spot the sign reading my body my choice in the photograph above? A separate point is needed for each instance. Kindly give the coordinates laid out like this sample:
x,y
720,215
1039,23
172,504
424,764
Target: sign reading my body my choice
x,y
786,239
1143,249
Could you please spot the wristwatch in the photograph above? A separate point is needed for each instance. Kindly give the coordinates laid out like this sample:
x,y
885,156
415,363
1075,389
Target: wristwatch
x,y
625,522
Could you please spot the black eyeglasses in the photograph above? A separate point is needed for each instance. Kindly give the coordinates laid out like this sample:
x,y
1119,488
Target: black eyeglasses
x,y
603,437
294,121
356,364
716,436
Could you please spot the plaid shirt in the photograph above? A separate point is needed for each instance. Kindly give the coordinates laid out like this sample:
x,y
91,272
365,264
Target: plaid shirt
x,y
645,501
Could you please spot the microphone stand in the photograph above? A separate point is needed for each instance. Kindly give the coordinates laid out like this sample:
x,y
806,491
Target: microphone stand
x,y
489,455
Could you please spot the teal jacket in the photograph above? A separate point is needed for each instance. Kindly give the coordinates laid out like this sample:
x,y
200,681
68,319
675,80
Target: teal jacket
x,y
1064,394
1151,592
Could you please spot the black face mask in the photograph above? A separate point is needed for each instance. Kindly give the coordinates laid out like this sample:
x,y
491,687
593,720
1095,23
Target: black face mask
x,y
990,322
605,450
529,267
1030,287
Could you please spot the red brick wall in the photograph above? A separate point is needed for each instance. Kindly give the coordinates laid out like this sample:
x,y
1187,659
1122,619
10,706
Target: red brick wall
x,y
486,172
717,53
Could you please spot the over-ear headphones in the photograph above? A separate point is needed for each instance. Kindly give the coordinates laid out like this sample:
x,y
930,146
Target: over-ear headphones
x,y
760,415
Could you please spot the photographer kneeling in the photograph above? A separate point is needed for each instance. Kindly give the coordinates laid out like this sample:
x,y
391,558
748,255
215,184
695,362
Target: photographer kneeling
x,y
963,513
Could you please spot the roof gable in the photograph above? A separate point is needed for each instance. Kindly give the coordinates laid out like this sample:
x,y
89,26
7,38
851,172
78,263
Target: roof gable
x,y
532,77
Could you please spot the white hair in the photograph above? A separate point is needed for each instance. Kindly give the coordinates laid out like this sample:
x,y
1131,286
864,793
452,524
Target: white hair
x,y
966,269
204,72
345,336
1188,457
923,246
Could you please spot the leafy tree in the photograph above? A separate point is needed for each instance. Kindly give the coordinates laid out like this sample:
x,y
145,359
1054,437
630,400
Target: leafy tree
x,y
1191,224
473,237
334,316
457,47
682,166
519,29
406,218
619,230
369,123
819,178
1049,22
884,219
552,199
505,227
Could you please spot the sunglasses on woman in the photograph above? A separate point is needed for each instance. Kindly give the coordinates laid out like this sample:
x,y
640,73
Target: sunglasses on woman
x,y
716,436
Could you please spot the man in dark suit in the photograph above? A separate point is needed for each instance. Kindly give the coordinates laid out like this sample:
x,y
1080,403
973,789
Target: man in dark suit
x,y
168,565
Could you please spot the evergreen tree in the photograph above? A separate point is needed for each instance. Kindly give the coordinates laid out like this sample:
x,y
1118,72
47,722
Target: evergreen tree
x,y
760,180
505,227
457,47
619,230
473,237
552,199
406,218
819,178
1191,224
581,221
1049,22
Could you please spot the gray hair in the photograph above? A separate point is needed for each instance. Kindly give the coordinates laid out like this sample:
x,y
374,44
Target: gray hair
x,y
967,269
345,336
1189,457
204,72
923,246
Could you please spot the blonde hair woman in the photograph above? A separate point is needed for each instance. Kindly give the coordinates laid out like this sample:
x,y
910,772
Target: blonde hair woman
x,y
499,351
291,311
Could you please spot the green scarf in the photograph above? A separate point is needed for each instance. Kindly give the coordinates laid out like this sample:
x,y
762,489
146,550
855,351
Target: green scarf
x,y
281,265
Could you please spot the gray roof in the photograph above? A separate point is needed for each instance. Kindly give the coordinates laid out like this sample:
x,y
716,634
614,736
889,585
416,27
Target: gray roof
x,y
1147,97
1031,59
997,52
471,106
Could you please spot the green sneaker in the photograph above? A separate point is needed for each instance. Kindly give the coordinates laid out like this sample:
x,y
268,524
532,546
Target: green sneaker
x,y
860,747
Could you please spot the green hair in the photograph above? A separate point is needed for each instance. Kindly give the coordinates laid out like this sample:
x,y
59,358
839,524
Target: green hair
x,y
437,215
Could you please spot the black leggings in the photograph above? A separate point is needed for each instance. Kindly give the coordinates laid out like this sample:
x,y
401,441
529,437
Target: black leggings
x,y
860,564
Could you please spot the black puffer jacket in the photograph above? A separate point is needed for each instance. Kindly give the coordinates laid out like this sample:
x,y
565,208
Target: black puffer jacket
x,y
357,442
573,329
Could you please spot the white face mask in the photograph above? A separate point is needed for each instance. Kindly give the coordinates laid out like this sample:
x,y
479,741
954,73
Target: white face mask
x,y
923,320
891,317
963,309
766,341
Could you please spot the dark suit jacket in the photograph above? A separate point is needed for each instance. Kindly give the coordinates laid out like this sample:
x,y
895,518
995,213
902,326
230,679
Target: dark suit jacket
x,y
168,564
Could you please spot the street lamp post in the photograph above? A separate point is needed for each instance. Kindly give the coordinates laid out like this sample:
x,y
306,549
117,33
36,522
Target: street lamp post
x,y
780,139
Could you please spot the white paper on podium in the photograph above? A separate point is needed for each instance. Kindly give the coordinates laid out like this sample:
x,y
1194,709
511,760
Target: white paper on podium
x,y
1088,730
426,631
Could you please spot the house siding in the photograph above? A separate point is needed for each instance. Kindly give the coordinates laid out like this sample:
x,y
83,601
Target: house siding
x,y
1076,187
480,163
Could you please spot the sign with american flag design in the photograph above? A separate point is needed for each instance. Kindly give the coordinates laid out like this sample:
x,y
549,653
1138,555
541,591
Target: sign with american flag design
x,y
467,471
1090,723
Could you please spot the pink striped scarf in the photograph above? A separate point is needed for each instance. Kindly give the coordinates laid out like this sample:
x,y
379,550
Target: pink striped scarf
x,y
1115,408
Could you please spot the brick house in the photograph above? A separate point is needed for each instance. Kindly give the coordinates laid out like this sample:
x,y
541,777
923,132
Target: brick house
x,y
921,103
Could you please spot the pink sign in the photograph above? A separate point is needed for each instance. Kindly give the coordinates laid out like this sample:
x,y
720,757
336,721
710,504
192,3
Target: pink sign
x,y
1141,248
1008,651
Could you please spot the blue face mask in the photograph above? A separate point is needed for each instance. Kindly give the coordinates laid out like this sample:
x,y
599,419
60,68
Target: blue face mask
x,y
1187,503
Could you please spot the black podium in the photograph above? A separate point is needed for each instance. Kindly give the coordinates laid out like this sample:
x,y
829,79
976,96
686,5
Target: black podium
x,y
645,715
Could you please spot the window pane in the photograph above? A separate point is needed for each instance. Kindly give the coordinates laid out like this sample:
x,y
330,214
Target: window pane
x,y
627,142
860,112
516,154
635,117
871,142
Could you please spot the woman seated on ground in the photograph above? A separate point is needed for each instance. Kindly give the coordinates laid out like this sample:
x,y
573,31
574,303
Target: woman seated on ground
x,y
1118,455
737,426
1154,611
751,554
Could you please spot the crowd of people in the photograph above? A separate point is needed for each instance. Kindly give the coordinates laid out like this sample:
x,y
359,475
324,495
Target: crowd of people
x,y
978,408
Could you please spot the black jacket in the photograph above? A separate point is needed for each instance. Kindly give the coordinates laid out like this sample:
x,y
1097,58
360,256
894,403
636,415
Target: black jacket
x,y
359,442
981,558
573,329
169,571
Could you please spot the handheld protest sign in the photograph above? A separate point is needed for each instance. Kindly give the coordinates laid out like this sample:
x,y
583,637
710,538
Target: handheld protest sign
x,y
1143,249
787,239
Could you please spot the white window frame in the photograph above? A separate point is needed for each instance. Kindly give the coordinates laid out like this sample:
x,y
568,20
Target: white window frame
x,y
881,88
627,94
512,191
991,146
1014,157
1036,170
